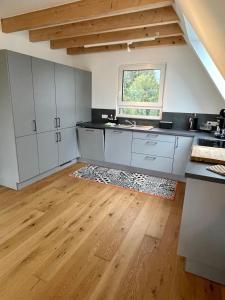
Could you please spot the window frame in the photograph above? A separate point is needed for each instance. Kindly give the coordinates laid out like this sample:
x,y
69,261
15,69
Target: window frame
x,y
141,105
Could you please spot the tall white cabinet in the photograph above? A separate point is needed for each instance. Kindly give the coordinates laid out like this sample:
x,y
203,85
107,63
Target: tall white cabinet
x,y
37,118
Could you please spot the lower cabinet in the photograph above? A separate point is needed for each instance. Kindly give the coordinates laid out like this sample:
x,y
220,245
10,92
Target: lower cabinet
x,y
118,145
67,145
182,154
48,150
91,143
154,163
27,157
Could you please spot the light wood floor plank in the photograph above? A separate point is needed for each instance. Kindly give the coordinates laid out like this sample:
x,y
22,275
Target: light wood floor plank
x,y
65,238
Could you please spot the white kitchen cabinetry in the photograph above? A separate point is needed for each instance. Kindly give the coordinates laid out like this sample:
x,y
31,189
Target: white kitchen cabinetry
x,y
44,94
67,145
21,90
91,144
48,150
65,96
27,156
118,146
182,154
153,147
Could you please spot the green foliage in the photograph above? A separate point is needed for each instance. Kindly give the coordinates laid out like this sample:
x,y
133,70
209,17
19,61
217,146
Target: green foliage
x,y
141,86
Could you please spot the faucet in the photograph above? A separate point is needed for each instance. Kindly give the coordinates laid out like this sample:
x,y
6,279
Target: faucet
x,y
132,123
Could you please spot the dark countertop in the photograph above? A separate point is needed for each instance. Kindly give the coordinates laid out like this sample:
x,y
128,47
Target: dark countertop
x,y
195,170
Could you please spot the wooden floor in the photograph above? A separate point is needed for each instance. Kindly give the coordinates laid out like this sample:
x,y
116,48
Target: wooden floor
x,y
66,238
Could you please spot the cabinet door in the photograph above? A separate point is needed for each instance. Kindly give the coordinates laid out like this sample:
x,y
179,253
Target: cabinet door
x,y
118,146
47,151
182,154
22,93
27,155
44,94
91,143
83,95
67,145
65,95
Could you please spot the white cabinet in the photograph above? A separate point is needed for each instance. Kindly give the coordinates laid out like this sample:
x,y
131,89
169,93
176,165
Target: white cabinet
x,y
182,154
154,163
91,143
44,94
20,77
118,146
83,95
48,150
27,156
65,96
67,145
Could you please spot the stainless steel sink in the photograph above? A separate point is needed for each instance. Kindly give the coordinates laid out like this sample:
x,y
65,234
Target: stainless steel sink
x,y
211,143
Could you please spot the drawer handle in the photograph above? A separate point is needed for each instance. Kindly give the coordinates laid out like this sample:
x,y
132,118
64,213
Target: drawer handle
x,y
151,143
150,157
152,135
117,131
90,130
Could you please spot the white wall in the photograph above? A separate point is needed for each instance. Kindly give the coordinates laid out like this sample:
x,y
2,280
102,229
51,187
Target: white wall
x,y
19,42
188,87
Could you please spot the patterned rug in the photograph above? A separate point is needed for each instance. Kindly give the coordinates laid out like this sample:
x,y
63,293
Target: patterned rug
x,y
160,187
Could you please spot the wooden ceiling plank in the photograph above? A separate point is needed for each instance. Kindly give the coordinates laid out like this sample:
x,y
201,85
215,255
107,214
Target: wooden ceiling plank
x,y
167,41
163,15
118,36
75,11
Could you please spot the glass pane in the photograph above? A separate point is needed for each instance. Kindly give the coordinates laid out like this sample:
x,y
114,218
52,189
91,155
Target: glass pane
x,y
141,85
140,112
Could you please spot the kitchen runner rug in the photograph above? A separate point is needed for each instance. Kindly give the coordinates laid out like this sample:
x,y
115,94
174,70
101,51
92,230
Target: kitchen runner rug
x,y
160,187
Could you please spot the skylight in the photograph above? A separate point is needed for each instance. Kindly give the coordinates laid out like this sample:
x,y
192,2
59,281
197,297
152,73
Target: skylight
x,y
205,58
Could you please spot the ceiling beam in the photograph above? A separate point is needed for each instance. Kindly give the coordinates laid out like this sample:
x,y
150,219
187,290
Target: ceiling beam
x,y
76,11
118,36
167,41
158,16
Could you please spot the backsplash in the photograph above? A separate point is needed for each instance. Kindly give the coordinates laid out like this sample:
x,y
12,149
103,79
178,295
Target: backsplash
x,y
180,120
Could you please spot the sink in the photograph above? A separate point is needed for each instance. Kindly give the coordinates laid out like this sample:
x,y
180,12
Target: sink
x,y
133,127
211,143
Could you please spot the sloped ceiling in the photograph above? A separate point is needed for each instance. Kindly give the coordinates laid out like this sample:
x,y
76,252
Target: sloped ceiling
x,y
208,19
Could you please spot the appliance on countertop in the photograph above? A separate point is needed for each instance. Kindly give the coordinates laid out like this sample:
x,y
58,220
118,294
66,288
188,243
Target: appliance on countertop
x,y
193,123
220,132
165,124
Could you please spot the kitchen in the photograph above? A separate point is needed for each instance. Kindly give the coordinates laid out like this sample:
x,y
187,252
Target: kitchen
x,y
62,114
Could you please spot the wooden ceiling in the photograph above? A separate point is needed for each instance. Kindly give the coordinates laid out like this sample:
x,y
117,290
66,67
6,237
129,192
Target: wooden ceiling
x,y
90,26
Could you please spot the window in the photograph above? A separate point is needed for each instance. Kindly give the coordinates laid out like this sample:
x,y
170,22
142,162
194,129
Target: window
x,y
141,91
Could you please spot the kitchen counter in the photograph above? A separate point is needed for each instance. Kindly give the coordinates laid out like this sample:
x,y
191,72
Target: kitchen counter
x,y
196,170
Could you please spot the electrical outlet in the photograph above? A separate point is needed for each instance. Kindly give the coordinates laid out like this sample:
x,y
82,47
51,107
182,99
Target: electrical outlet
x,y
104,116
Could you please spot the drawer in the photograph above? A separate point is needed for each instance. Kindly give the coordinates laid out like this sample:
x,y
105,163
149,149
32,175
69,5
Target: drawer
x,y
160,164
154,136
152,147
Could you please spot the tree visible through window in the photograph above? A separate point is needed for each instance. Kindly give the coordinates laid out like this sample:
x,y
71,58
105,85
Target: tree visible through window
x,y
141,92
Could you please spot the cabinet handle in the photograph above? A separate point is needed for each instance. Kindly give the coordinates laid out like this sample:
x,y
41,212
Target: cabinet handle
x,y
151,143
150,157
60,137
59,122
117,131
57,137
35,125
177,142
152,135
56,123
90,130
